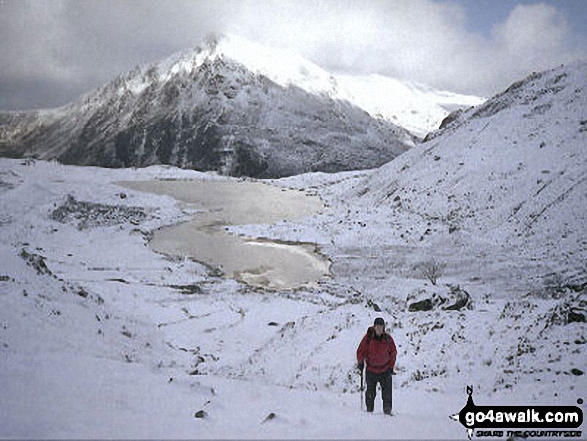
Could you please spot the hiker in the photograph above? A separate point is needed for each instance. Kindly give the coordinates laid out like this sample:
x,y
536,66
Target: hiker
x,y
378,351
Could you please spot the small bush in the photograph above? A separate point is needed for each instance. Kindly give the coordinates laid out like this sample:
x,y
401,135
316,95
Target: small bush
x,y
432,270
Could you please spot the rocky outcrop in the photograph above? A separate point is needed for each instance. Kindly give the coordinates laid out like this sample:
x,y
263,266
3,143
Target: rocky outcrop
x,y
447,298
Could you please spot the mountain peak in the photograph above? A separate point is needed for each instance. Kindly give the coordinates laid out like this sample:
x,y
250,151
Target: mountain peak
x,y
415,107
237,107
283,67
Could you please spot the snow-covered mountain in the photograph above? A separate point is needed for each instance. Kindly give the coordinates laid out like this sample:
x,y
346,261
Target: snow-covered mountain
x,y
102,338
213,108
235,107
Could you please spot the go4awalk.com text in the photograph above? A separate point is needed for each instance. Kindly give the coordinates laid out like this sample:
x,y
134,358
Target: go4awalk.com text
x,y
528,416
528,434
526,422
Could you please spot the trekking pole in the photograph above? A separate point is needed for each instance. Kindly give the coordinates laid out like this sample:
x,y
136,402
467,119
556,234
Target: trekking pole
x,y
362,388
391,393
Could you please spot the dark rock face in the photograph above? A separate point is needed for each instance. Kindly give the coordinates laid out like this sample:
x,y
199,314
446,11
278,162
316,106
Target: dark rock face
x,y
460,299
447,298
216,115
422,305
450,118
576,317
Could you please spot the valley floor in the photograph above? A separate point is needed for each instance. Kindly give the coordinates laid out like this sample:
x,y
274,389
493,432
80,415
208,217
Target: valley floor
x,y
100,337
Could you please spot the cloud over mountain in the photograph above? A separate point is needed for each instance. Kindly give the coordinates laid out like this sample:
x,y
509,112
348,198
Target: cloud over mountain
x,y
56,50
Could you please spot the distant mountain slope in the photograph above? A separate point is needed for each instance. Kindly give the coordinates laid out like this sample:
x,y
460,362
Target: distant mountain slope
x,y
499,193
206,109
508,175
415,107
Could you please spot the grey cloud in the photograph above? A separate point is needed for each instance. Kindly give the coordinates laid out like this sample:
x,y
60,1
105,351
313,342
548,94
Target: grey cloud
x,y
36,93
71,46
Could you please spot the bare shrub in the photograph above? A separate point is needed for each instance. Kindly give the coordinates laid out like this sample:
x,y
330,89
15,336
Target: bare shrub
x,y
432,270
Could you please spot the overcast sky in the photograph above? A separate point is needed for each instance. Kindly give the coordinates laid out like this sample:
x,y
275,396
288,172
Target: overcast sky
x,y
51,51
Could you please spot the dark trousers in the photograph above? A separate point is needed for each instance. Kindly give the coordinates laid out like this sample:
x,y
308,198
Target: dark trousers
x,y
385,380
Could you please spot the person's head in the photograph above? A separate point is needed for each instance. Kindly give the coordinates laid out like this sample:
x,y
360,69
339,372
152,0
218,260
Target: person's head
x,y
379,326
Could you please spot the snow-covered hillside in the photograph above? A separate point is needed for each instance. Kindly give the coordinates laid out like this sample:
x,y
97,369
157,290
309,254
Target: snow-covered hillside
x,y
507,181
500,190
100,337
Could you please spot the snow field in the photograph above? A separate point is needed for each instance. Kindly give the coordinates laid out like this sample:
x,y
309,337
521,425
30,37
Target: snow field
x,y
113,340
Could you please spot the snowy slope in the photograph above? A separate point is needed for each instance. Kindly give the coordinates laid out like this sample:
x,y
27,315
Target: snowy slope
x,y
100,337
415,107
505,181
508,177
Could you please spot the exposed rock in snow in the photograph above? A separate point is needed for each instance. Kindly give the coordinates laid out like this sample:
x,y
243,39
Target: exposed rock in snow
x,y
87,214
447,298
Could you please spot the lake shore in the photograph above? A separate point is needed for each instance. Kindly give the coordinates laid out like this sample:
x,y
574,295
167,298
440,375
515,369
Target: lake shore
x,y
259,262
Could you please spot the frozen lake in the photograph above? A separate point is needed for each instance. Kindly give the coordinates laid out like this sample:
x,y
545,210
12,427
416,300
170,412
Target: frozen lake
x,y
256,261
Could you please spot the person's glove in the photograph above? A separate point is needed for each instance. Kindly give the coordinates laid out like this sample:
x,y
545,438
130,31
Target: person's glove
x,y
360,367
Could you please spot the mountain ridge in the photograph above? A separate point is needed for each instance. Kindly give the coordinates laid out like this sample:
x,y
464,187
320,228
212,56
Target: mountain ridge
x,y
229,106
207,112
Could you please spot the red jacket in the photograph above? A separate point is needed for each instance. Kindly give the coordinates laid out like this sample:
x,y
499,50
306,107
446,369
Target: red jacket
x,y
378,352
